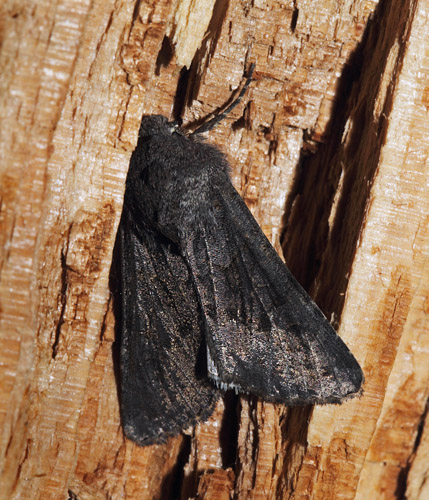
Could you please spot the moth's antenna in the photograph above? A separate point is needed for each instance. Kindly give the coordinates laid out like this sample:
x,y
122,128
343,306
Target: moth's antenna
x,y
214,121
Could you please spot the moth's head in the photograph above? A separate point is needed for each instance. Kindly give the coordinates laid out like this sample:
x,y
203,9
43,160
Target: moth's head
x,y
157,125
153,125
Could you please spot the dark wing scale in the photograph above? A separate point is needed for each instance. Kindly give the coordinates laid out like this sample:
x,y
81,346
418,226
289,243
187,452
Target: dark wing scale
x,y
161,340
264,334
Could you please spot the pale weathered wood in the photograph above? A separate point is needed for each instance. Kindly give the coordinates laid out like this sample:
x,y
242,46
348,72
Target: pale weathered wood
x,y
418,476
329,150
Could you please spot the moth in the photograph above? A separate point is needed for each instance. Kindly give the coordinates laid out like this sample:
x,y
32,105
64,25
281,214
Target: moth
x,y
207,304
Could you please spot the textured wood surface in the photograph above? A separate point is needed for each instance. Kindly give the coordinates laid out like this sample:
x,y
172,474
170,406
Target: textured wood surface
x,y
329,150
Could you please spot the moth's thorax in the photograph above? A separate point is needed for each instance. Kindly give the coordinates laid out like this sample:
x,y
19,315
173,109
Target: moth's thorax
x,y
172,177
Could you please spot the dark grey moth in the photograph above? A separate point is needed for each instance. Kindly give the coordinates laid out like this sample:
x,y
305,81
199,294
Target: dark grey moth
x,y
206,301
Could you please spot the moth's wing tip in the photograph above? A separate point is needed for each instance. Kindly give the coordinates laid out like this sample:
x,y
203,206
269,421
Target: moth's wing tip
x,y
350,389
336,390
142,433
159,436
353,380
342,398
136,436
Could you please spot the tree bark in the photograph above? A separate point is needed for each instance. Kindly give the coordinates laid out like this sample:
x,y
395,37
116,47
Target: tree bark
x,y
329,150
